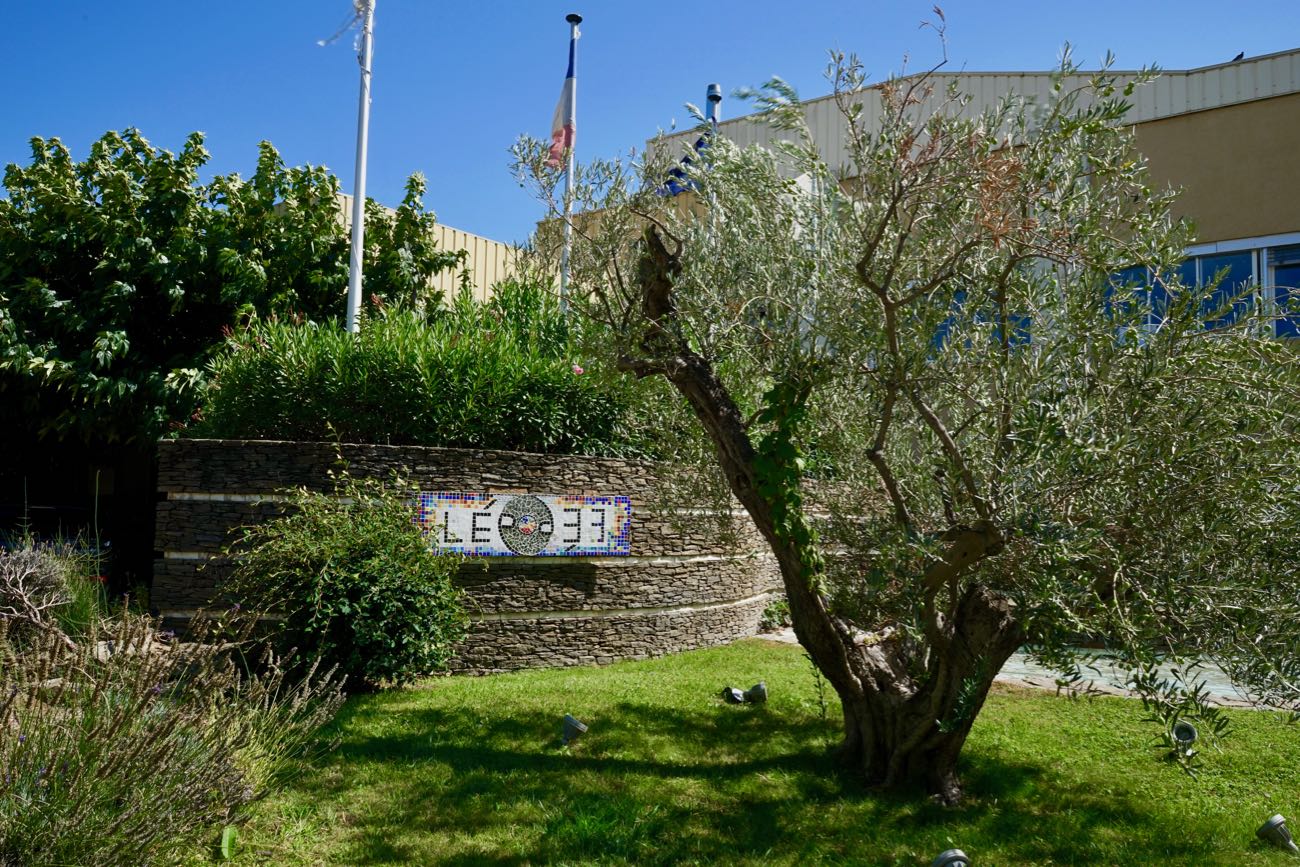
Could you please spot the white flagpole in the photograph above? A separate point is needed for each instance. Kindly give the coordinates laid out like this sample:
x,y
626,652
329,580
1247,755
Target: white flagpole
x,y
359,194
574,20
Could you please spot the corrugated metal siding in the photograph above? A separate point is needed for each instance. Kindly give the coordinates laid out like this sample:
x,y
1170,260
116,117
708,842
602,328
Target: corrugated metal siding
x,y
1174,92
488,261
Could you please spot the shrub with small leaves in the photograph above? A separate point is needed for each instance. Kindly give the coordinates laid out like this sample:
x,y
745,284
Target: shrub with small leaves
x,y
355,582
776,615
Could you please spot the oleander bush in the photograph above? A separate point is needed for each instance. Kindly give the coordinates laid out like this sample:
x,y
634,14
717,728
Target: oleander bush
x,y
123,746
506,374
354,582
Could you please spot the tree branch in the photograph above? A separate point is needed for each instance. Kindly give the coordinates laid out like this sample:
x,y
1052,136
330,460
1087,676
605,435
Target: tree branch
x,y
876,455
954,455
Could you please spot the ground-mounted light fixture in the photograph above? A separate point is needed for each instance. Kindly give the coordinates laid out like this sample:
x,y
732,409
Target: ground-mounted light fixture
x,y
1184,733
572,729
756,694
1276,832
951,858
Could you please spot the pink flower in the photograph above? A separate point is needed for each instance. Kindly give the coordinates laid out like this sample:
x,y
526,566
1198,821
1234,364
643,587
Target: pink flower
x,y
577,370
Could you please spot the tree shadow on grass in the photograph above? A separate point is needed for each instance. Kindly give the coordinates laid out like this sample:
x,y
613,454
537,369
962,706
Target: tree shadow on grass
x,y
651,784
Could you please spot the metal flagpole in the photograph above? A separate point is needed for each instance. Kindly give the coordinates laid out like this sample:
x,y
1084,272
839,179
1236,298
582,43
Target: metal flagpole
x,y
359,194
574,20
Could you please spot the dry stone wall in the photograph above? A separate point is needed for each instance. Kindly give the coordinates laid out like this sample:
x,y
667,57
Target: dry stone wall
x,y
687,584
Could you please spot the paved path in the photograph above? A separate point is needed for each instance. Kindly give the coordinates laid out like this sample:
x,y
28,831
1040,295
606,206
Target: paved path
x,y
1020,671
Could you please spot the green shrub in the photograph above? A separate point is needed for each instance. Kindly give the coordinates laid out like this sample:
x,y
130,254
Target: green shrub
x,y
355,582
776,615
529,312
125,747
496,375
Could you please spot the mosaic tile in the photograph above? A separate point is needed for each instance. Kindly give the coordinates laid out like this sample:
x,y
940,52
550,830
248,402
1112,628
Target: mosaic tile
x,y
526,525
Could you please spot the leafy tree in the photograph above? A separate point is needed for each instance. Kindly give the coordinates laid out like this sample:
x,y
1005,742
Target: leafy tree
x,y
928,346
119,273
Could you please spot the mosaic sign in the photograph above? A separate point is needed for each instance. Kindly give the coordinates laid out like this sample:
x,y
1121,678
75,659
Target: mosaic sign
x,y
527,525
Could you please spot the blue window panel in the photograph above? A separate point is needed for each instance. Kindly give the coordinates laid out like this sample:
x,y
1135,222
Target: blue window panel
x,y
1158,293
1238,276
1020,330
1127,292
1019,324
1284,264
1131,277
941,334
1286,292
940,339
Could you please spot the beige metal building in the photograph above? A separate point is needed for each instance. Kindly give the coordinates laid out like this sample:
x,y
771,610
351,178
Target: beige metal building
x,y
1228,135
486,262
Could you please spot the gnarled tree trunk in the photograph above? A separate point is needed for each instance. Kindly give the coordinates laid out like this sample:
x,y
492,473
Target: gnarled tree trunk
x,y
908,706
910,732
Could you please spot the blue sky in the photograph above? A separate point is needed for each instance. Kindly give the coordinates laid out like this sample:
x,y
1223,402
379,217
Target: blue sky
x,y
455,84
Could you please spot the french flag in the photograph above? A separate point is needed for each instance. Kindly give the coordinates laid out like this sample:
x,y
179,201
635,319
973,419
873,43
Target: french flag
x,y
564,125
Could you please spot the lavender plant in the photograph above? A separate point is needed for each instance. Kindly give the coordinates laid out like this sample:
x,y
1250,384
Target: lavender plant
x,y
125,747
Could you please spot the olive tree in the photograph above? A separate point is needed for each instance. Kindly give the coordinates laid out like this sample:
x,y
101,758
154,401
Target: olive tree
x,y
958,431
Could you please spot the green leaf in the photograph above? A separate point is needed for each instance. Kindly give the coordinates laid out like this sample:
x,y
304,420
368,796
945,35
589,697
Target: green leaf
x,y
229,835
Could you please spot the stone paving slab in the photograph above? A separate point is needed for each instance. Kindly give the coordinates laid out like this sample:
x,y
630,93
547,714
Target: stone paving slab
x,y
1020,671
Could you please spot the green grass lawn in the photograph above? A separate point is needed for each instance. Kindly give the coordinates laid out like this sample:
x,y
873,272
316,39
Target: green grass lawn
x,y
471,771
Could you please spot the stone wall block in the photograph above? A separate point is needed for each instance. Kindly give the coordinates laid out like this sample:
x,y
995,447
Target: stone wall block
x,y
694,579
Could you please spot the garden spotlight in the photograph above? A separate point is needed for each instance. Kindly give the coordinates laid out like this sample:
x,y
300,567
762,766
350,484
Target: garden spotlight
x,y
1184,734
572,729
1276,832
951,858
757,694
732,695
